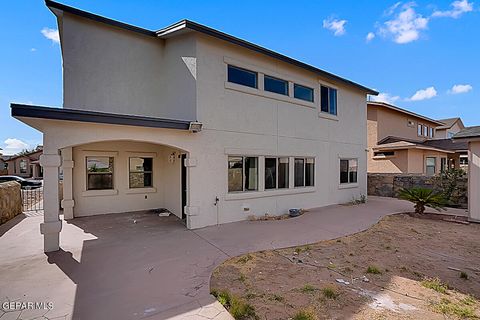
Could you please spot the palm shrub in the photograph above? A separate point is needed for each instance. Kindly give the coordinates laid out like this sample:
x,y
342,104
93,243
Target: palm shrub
x,y
422,198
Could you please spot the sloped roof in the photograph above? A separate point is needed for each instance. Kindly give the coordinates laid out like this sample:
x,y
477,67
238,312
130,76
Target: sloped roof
x,y
437,144
398,109
469,132
187,25
449,122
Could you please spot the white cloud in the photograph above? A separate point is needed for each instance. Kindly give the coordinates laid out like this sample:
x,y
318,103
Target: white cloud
x,y
424,94
385,97
335,25
33,49
458,8
460,88
13,145
51,34
406,24
370,36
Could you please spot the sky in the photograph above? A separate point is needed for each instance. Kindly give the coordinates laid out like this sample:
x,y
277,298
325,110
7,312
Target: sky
x,y
422,56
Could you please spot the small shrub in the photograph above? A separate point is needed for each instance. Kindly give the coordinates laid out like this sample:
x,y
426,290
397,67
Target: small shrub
x,y
306,314
464,275
244,259
373,270
329,293
238,308
460,310
435,284
308,288
276,297
422,198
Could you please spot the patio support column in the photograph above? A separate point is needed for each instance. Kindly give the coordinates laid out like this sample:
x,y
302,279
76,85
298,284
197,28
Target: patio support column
x,y
67,202
52,225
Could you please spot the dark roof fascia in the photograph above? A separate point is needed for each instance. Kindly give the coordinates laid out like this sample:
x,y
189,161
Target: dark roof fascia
x,y
187,24
55,5
248,45
28,111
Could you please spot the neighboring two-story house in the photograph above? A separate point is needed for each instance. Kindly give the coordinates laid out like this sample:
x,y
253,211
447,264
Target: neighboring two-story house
x,y
188,118
400,141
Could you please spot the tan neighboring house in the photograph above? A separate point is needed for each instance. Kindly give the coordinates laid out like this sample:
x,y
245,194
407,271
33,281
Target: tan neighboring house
x,y
471,136
25,165
450,127
211,127
401,141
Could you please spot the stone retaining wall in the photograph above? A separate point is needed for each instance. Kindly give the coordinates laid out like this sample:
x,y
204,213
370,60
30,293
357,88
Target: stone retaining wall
x,y
389,184
10,200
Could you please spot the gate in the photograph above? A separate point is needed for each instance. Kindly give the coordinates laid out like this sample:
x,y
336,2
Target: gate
x,y
32,199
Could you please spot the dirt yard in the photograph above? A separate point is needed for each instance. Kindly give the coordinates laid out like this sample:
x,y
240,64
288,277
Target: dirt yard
x,y
401,268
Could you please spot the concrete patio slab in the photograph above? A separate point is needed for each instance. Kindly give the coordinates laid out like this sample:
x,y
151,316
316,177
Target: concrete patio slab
x,y
141,266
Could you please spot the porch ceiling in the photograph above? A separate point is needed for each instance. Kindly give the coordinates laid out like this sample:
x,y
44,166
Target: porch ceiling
x,y
39,112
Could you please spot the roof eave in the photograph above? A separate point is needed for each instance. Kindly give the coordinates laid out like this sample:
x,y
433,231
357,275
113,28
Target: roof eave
x,y
41,112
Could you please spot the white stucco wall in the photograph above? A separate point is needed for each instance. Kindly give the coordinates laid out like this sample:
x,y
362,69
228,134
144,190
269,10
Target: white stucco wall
x,y
165,192
474,180
113,70
236,120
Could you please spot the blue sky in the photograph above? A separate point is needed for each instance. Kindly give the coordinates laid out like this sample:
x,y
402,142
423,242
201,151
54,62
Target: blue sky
x,y
420,55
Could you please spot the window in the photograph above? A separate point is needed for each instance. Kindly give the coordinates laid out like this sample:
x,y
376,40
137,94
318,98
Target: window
x,y
348,170
450,135
270,173
384,154
140,172
242,173
283,173
425,131
99,173
419,130
23,166
276,173
463,160
275,85
328,101
432,132
443,164
302,92
242,76
304,171
430,166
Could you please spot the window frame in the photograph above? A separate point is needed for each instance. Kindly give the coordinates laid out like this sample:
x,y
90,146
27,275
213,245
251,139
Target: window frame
x,y
304,172
277,173
87,173
419,129
286,82
432,132
244,70
329,88
130,172
348,171
244,190
295,85
434,165
23,170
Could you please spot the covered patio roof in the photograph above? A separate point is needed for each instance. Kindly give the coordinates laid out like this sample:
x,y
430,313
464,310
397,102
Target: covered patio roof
x,y
41,112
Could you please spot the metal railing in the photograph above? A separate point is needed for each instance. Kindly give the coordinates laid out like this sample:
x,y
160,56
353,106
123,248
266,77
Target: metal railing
x,y
32,199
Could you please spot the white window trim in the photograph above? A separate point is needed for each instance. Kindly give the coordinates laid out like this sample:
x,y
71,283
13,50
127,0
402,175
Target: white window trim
x,y
305,171
259,160
153,156
93,193
323,114
347,185
276,171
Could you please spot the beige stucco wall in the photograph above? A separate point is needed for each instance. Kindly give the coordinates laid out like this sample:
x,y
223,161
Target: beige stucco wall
x,y
166,179
394,164
474,180
112,70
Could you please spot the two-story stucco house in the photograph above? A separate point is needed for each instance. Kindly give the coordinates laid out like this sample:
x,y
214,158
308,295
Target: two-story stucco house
x,y
211,127
401,141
